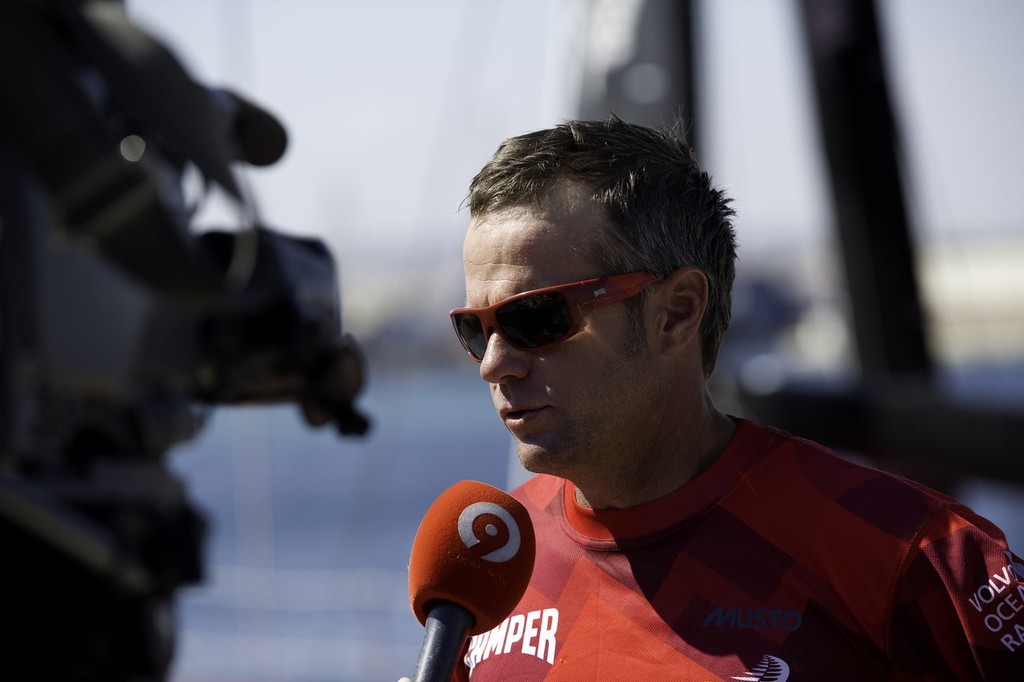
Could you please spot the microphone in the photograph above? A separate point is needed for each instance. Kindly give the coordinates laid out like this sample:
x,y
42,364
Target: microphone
x,y
471,561
260,139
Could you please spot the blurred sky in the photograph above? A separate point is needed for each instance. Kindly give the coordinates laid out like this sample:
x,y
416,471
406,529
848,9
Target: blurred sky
x,y
391,108
393,105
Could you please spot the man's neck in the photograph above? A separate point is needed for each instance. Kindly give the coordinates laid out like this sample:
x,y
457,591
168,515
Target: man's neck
x,y
657,474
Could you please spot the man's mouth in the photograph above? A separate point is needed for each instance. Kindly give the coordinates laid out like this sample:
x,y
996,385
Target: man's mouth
x,y
521,413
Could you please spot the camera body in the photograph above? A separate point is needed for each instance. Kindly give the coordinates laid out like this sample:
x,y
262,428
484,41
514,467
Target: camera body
x,y
121,324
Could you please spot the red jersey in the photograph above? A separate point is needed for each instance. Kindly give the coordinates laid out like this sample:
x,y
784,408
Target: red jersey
x,y
782,561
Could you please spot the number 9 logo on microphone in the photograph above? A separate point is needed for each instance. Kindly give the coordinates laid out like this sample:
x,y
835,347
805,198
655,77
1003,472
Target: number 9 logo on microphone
x,y
490,532
475,547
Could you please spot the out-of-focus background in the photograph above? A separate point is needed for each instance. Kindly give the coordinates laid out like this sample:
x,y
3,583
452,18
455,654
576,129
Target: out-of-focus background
x,y
392,106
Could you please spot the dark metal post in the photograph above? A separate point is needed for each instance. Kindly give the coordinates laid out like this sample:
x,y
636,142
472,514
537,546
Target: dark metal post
x,y
862,149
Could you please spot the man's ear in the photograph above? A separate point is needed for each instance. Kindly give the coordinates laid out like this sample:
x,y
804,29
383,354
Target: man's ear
x,y
682,298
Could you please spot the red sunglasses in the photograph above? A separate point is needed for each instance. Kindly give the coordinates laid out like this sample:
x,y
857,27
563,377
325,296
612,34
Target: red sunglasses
x,y
542,317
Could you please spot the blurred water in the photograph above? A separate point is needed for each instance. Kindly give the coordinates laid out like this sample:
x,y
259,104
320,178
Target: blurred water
x,y
311,533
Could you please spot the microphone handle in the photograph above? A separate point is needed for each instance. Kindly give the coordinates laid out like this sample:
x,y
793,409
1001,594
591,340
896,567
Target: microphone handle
x,y
445,633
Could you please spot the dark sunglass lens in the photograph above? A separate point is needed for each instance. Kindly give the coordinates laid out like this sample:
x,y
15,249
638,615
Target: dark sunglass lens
x,y
535,321
471,333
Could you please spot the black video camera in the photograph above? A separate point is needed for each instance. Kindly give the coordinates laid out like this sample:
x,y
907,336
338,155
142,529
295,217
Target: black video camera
x,y
120,324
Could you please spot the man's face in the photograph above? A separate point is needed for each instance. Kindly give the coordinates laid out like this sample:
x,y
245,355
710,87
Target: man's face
x,y
579,403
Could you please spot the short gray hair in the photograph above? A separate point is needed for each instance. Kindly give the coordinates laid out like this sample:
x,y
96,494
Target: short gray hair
x,y
664,211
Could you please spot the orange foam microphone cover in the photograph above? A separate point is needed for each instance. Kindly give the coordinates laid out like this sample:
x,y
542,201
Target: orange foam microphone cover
x,y
475,547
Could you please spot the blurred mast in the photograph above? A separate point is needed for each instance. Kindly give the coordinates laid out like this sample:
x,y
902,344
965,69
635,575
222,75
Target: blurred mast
x,y
642,63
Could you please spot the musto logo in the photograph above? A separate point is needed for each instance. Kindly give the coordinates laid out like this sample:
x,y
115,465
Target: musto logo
x,y
489,531
754,619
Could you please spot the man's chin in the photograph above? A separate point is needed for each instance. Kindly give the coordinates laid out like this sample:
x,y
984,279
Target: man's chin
x,y
539,459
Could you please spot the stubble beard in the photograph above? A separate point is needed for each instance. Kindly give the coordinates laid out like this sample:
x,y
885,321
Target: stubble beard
x,y
592,440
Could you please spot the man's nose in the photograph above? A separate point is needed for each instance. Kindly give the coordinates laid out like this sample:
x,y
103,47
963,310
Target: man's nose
x,y
502,360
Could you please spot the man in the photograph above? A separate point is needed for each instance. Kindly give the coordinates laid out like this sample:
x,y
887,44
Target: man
x,y
673,541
